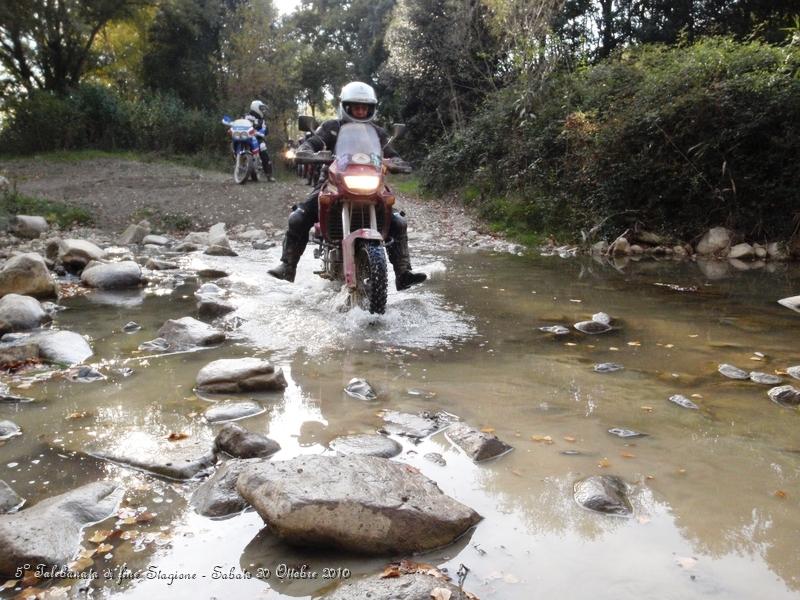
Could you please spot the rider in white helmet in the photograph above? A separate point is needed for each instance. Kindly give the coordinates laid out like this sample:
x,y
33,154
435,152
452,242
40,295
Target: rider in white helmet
x,y
358,104
257,114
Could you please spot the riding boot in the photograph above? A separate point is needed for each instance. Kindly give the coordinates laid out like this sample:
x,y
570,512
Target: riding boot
x,y
266,164
293,247
399,256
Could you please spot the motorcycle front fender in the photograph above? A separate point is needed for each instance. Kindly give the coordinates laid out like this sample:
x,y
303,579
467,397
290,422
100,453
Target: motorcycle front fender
x,y
349,252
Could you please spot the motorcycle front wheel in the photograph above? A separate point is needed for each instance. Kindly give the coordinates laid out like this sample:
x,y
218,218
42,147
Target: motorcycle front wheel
x,y
242,167
371,279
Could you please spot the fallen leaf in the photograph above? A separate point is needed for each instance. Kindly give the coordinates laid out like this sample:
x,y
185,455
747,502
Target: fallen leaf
x,y
627,455
130,534
30,594
509,578
128,521
441,594
643,520
515,472
647,408
100,535
694,335
650,477
175,437
669,346
604,463
570,439
145,517
634,343
29,578
686,562
544,439
682,471
77,415
104,548
488,430
613,348
9,584
570,344
781,494
79,565
697,395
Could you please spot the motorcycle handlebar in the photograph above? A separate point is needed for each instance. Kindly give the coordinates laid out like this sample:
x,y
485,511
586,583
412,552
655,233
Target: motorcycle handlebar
x,y
317,158
399,167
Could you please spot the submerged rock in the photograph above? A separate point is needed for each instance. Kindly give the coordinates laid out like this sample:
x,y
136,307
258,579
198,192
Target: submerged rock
x,y
9,429
478,445
85,374
10,501
20,313
131,327
187,333
360,389
413,426
233,411
362,504
217,496
785,395
49,533
592,327
794,371
626,433
605,494
403,586
683,401
607,367
764,378
179,461
555,329
232,375
156,345
602,317
732,372
235,440
366,445
435,458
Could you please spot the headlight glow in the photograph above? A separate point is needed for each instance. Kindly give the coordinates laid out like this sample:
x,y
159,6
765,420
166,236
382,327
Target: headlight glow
x,y
362,183
290,154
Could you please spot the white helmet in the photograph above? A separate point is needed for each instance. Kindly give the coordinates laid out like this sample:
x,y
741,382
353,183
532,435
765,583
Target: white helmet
x,y
356,92
258,107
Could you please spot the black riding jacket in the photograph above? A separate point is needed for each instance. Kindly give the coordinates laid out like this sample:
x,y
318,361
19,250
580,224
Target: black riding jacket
x,y
325,138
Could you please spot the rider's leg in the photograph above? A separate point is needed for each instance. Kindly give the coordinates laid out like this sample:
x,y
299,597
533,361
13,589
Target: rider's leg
x,y
294,243
266,163
399,254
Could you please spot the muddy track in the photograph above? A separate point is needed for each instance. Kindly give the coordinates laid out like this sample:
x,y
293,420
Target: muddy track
x,y
118,192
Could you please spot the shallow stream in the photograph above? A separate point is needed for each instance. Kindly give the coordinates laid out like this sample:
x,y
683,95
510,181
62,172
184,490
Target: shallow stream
x,y
715,491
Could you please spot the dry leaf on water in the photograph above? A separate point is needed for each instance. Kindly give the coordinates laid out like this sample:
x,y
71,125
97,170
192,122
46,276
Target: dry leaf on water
x,y
9,584
145,517
100,535
570,439
104,548
780,494
82,563
604,463
176,437
441,594
484,430
77,415
686,562
29,578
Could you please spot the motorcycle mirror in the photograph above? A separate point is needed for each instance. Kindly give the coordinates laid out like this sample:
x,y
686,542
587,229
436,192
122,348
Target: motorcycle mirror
x,y
306,123
226,120
398,130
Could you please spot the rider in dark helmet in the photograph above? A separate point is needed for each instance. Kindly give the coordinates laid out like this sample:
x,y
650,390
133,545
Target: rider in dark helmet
x,y
256,116
357,105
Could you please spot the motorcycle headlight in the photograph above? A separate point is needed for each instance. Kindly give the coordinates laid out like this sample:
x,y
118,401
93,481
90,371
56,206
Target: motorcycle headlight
x,y
290,154
362,183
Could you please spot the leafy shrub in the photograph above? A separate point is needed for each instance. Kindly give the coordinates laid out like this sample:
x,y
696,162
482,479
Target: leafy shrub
x,y
676,138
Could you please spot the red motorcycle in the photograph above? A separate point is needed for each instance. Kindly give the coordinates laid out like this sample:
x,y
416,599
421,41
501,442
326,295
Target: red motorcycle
x,y
355,210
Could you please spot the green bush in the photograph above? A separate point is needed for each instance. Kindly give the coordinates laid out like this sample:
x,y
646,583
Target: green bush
x,y
676,138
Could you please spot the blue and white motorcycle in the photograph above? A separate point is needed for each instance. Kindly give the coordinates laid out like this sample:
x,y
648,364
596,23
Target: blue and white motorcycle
x,y
246,145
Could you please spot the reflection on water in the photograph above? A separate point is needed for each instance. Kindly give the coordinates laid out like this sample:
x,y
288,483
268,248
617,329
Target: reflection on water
x,y
715,491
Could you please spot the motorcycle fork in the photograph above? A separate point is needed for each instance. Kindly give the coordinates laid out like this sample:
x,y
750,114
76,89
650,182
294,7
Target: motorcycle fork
x,y
350,238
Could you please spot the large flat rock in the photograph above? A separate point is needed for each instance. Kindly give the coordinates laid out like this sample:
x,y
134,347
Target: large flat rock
x,y
232,375
187,333
49,532
112,276
62,347
172,460
217,496
18,313
362,504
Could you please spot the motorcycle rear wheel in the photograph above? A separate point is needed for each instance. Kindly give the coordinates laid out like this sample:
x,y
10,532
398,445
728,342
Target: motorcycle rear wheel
x,y
241,169
371,279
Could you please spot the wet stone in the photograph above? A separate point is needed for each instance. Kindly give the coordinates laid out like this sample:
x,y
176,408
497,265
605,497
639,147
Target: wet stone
x,y
764,378
49,533
366,445
360,389
478,445
602,317
233,375
607,367
785,395
364,504
211,273
7,397
605,494
217,496
592,327
131,327
408,586
626,433
232,411
166,459
13,356
64,347
235,440
732,372
155,264
10,501
9,429
555,329
85,374
435,458
794,372
187,333
572,453
419,393
156,345
683,401
413,426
